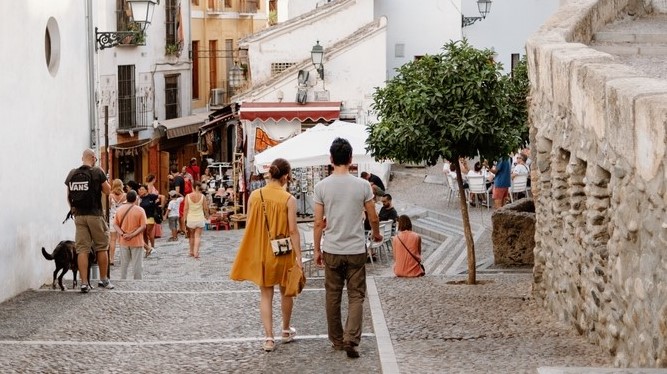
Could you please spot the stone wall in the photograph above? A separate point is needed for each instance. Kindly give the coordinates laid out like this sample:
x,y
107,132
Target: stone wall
x,y
514,233
598,136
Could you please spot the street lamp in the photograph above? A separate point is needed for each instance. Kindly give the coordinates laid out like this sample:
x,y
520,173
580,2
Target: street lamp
x,y
142,15
316,56
483,6
235,77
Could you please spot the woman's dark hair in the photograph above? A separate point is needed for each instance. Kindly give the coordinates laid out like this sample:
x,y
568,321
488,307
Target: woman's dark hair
x,y
478,166
279,168
404,223
341,152
133,185
150,178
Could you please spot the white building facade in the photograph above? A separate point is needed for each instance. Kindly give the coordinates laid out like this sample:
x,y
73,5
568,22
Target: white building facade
x,y
46,127
59,84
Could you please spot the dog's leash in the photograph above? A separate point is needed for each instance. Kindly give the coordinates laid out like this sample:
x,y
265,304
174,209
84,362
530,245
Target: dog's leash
x,y
68,216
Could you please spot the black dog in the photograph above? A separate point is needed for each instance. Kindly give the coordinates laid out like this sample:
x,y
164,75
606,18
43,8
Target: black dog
x,y
65,257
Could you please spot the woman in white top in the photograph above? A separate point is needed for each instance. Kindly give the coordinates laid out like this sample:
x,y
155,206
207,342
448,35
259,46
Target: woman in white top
x,y
196,213
520,168
116,199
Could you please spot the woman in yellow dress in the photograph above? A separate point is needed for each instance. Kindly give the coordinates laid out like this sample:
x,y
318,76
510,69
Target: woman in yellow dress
x,y
255,260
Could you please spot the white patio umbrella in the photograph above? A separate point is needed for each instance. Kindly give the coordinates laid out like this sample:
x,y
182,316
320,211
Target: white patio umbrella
x,y
311,148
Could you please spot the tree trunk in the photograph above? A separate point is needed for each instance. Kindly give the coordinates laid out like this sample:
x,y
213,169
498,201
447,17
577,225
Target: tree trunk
x,y
470,243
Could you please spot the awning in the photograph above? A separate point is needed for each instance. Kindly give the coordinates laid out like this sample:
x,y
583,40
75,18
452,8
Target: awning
x,y
314,111
219,118
183,125
132,144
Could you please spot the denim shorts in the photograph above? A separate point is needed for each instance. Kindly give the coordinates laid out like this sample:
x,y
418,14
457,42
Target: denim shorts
x,y
173,223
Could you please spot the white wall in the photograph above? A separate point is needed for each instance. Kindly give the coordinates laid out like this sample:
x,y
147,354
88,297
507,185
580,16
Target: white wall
x,y
422,26
350,75
293,43
501,31
44,131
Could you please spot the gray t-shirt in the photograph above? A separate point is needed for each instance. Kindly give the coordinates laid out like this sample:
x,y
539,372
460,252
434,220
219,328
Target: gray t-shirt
x,y
343,197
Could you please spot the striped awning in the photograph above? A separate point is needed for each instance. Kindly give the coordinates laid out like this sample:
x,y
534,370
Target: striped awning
x,y
182,126
313,111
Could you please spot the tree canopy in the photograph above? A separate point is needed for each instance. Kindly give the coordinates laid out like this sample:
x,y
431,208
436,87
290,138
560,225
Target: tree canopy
x,y
452,104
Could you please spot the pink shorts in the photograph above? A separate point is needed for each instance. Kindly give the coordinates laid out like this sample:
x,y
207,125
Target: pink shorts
x,y
501,193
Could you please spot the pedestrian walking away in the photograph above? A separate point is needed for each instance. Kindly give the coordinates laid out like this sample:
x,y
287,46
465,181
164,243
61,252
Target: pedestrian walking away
x,y
343,198
85,186
196,214
116,199
271,214
130,223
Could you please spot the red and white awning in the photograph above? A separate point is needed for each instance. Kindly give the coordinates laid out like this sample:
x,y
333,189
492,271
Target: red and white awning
x,y
315,111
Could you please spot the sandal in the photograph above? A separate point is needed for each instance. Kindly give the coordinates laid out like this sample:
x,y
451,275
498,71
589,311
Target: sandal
x,y
269,345
289,335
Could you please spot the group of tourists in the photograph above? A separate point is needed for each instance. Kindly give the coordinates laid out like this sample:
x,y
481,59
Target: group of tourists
x,y
497,177
135,216
340,245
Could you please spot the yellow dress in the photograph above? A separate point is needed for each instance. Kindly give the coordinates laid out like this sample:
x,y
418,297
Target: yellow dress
x,y
254,260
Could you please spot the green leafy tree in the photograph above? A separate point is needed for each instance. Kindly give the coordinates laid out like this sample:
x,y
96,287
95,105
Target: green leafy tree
x,y
450,105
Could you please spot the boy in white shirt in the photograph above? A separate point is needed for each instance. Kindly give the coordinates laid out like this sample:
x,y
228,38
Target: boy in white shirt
x,y
172,214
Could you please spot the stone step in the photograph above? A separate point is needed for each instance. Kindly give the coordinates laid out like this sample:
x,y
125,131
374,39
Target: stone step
x,y
630,37
633,49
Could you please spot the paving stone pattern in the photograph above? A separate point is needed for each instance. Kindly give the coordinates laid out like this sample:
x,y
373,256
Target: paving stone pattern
x,y
187,316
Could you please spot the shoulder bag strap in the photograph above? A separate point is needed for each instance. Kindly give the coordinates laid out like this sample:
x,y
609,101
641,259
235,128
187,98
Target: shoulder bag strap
x,y
406,248
125,215
266,221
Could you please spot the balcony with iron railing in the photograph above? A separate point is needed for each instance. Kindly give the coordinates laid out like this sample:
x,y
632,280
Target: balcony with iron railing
x,y
249,6
215,7
219,6
133,113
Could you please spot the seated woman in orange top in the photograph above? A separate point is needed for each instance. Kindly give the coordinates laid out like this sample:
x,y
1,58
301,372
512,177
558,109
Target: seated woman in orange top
x,y
406,265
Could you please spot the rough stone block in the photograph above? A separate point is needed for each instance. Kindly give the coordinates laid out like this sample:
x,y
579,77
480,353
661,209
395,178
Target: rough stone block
x,y
514,233
650,120
622,95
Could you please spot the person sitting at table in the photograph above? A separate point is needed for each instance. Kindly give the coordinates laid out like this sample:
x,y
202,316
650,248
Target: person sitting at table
x,y
477,170
407,264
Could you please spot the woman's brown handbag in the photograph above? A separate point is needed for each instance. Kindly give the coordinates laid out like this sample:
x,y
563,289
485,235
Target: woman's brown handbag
x,y
296,280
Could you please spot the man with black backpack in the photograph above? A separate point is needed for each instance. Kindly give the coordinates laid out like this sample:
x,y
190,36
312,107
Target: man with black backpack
x,y
85,185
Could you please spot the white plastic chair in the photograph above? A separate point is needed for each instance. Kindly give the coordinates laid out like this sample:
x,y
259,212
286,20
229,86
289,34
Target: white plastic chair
x,y
519,184
386,228
453,188
307,248
477,187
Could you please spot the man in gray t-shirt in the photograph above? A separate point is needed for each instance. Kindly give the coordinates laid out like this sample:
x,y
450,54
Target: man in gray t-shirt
x,y
343,198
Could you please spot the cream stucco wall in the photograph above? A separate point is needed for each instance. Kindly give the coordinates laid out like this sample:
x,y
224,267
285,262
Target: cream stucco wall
x,y
44,130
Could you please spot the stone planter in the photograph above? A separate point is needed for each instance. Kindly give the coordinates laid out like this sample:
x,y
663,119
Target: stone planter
x,y
514,233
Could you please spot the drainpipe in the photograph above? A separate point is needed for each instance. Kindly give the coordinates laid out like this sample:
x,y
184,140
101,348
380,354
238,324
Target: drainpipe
x,y
92,106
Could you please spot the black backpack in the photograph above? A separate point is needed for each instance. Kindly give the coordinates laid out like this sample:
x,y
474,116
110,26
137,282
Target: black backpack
x,y
81,189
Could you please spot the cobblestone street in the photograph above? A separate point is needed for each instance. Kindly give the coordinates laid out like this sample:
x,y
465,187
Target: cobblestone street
x,y
187,316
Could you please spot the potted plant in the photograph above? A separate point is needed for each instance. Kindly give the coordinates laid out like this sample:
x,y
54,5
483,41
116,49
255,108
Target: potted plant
x,y
172,49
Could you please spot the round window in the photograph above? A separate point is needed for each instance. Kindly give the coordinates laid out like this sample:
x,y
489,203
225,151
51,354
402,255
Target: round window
x,y
52,46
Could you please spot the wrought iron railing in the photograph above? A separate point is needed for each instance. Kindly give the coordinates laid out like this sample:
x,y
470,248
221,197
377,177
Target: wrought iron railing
x,y
133,113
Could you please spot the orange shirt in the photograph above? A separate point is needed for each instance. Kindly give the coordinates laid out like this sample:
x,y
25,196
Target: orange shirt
x,y
136,217
404,264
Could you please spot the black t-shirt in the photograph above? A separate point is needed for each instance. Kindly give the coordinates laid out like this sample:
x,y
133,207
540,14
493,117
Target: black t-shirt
x,y
180,183
388,214
99,177
148,204
376,181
